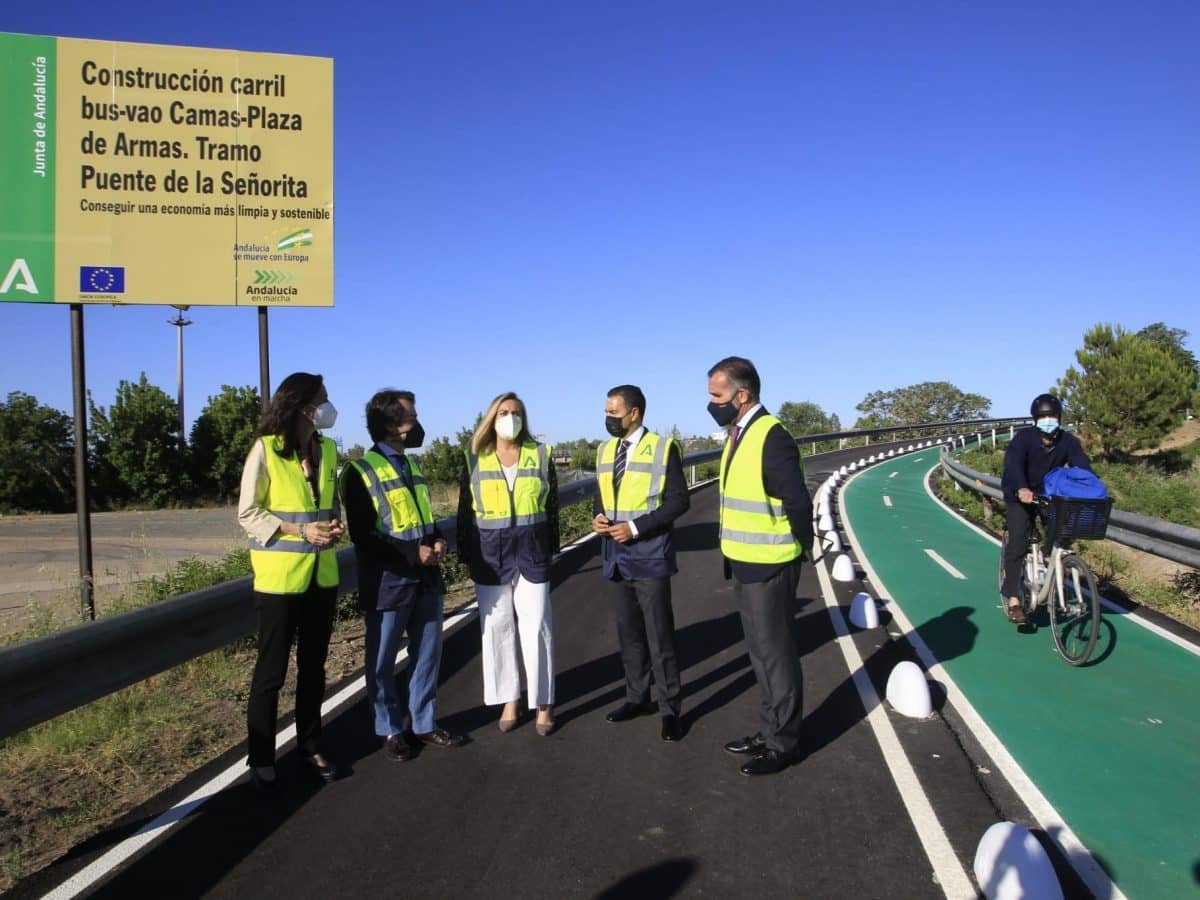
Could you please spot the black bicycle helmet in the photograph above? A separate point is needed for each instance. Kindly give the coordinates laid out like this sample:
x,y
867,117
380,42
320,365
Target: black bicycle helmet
x,y
1046,406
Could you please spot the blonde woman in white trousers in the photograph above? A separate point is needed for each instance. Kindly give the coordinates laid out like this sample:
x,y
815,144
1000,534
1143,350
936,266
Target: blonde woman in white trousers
x,y
507,535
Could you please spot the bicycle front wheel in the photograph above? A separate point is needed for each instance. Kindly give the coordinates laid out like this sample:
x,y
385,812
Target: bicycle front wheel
x,y
1075,612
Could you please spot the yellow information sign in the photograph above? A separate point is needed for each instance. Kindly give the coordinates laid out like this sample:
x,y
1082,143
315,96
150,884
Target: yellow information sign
x,y
142,173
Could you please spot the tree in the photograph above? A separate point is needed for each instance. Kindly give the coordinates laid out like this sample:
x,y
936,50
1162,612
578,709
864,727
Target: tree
x,y
1126,392
36,456
221,438
443,461
805,418
1171,340
917,404
581,451
136,445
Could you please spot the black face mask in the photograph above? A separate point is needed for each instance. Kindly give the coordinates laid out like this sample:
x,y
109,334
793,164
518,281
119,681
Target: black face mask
x,y
415,437
723,413
612,424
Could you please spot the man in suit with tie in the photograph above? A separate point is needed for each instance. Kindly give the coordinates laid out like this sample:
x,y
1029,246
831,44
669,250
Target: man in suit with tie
x,y
765,526
642,493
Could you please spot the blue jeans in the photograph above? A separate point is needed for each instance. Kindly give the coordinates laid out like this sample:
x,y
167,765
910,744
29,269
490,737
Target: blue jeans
x,y
421,619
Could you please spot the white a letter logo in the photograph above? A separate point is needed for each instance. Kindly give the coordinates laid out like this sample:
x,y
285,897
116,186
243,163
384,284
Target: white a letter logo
x,y
27,284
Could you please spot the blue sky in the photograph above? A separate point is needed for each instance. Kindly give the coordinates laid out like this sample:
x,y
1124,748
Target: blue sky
x,y
556,198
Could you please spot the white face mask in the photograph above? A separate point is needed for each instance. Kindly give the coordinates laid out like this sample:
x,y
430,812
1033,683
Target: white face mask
x,y
1047,425
325,415
508,427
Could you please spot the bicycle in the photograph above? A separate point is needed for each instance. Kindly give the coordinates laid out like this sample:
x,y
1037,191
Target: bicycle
x,y
1063,581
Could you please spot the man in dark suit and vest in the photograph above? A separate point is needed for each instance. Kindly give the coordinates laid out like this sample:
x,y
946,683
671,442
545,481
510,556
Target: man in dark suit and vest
x,y
642,493
400,587
765,526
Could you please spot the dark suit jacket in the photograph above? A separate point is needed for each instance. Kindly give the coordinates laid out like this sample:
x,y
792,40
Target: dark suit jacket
x,y
652,553
783,477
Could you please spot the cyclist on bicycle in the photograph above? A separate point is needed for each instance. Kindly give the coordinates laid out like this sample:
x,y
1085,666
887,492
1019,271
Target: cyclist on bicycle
x,y
1029,456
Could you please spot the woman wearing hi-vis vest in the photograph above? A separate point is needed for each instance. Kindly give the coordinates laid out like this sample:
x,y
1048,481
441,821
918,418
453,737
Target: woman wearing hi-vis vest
x,y
507,535
289,510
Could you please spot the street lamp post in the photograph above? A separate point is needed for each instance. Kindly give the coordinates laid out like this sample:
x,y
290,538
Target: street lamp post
x,y
180,323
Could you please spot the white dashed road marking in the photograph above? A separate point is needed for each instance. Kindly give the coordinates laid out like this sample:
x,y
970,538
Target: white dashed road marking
x,y
932,554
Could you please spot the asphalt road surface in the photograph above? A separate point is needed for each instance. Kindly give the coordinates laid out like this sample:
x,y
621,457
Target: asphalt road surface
x,y
602,810
39,555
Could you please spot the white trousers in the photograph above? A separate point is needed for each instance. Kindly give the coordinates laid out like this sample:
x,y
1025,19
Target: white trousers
x,y
517,633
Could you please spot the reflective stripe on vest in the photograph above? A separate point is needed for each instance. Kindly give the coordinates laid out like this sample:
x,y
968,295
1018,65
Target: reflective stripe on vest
x,y
498,507
284,564
754,526
400,513
644,480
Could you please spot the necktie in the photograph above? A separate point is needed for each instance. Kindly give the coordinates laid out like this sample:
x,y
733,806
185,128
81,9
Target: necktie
x,y
619,464
733,434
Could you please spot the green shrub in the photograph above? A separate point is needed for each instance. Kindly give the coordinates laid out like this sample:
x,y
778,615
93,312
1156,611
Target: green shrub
x,y
575,521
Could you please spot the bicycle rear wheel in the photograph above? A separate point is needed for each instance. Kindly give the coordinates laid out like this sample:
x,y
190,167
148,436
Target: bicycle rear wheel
x,y
1075,612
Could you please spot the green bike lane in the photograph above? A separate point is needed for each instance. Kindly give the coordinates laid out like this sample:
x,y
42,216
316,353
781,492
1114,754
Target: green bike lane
x,y
1114,746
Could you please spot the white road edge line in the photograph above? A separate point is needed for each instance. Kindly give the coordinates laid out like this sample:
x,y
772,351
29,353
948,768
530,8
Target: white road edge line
x,y
936,557
1080,858
950,874
1132,615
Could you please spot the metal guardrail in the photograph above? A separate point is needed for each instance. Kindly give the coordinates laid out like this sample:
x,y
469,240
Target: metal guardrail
x,y
1178,543
45,677
48,676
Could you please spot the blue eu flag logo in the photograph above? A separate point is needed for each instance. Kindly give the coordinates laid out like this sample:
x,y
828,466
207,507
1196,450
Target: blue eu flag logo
x,y
101,279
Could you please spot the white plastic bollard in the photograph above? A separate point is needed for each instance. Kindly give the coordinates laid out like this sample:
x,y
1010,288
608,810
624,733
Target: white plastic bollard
x,y
891,453
843,569
1010,863
825,523
832,543
852,466
863,611
908,691
845,469
910,448
862,461
871,458
823,508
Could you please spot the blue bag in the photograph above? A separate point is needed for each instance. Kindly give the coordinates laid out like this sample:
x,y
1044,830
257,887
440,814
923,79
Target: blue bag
x,y
1074,482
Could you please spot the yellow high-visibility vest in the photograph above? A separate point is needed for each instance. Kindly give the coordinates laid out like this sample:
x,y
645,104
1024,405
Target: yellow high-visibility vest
x,y
284,564
754,526
400,513
644,481
494,504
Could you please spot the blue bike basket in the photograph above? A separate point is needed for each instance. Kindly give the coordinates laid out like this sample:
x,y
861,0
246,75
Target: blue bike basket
x,y
1068,518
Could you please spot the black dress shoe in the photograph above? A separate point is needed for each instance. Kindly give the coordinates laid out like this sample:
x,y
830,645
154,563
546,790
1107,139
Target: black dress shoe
x,y
627,711
752,744
672,729
767,762
398,749
323,766
265,785
441,738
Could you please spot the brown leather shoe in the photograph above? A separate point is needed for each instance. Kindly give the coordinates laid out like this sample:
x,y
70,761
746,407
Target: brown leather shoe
x,y
1014,611
442,738
398,749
